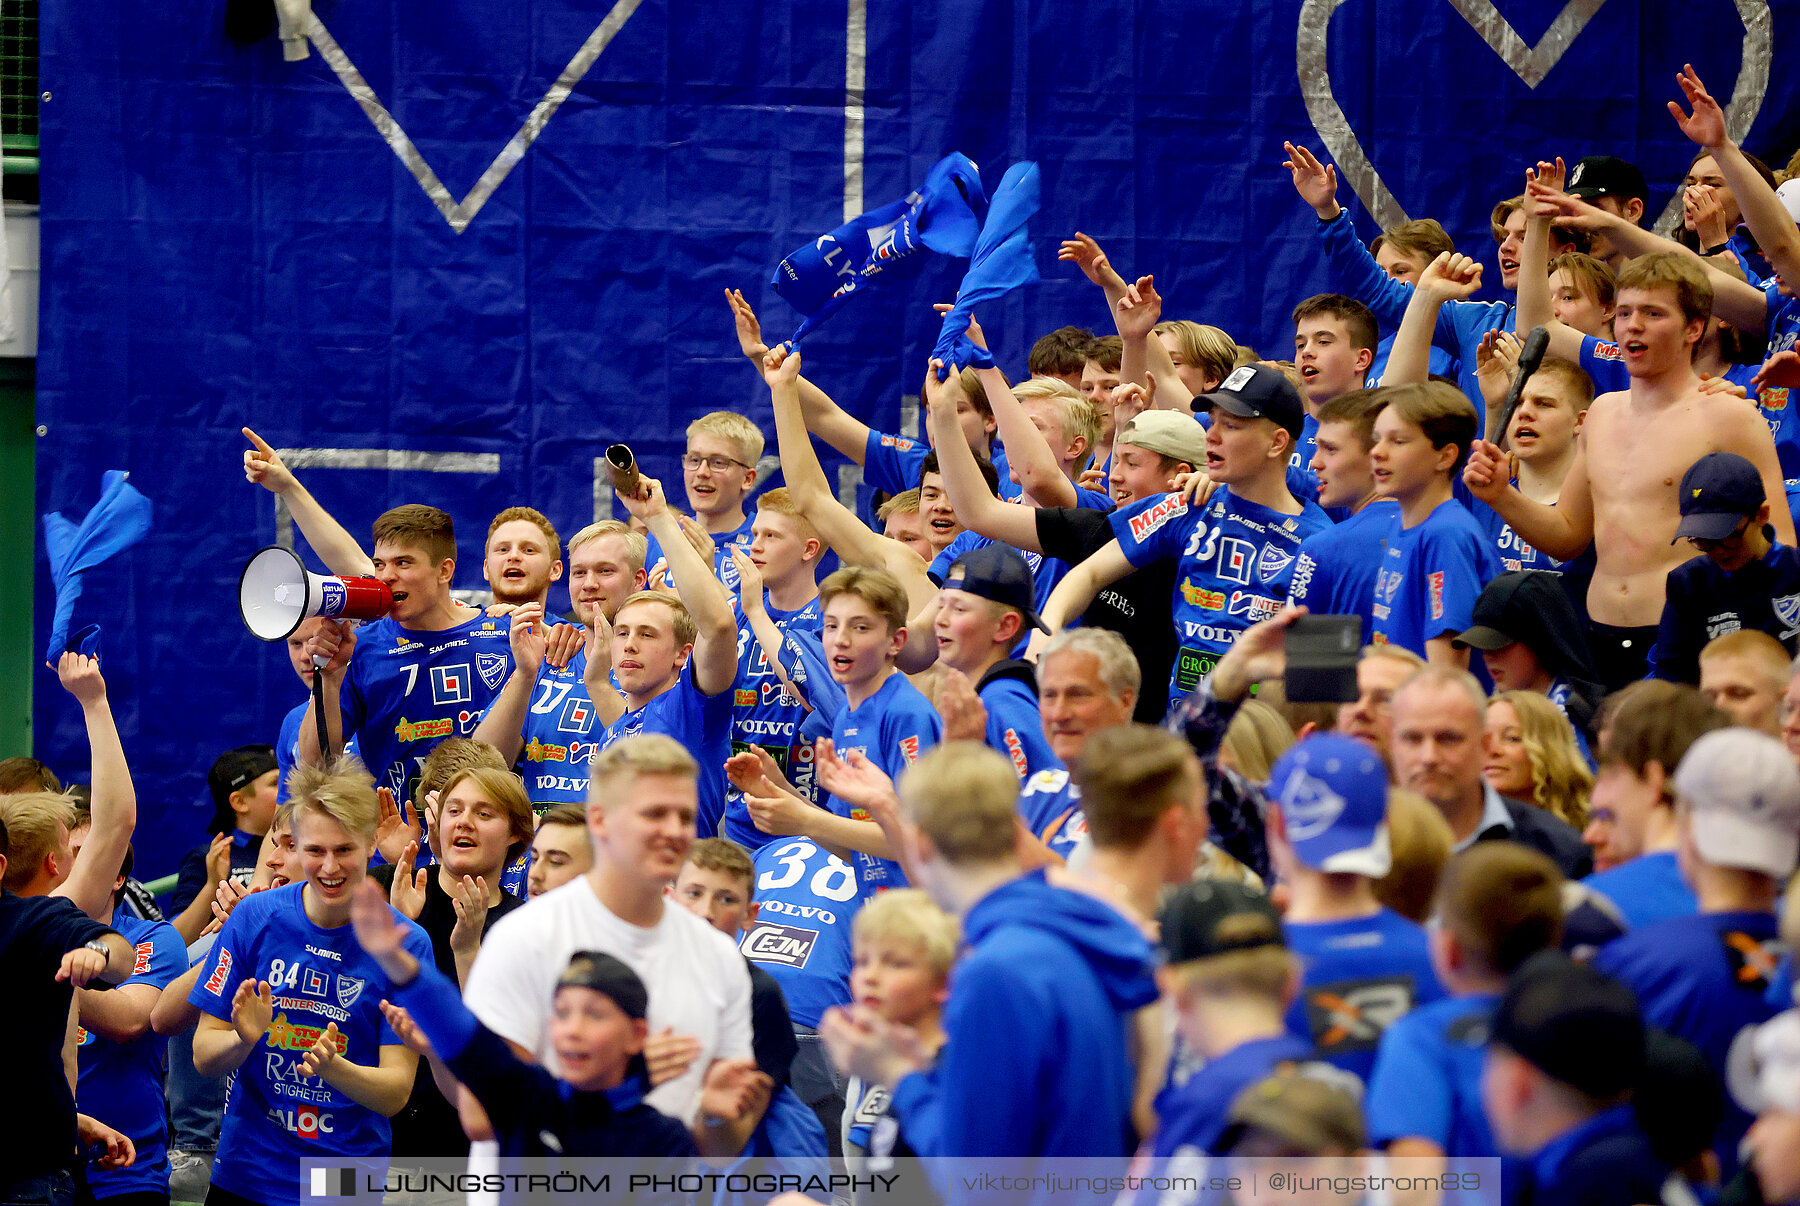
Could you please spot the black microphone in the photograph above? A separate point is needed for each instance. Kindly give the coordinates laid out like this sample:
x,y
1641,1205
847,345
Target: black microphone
x,y
1530,356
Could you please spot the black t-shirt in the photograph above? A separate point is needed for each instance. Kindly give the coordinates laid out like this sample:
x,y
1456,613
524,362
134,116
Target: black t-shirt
x,y
1139,606
35,933
771,1026
428,1125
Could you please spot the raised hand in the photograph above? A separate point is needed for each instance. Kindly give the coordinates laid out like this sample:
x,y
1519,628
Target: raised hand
x,y
598,643
1450,277
404,1028
80,677
1706,126
469,895
334,642
973,330
322,1052
1316,182
965,716
749,330
395,828
563,642
1139,310
854,779
1486,475
1130,399
1705,214
528,639
1549,176
1258,655
1086,255
408,891
750,580
252,1009
264,467
698,538
649,501
781,365
1496,359
218,859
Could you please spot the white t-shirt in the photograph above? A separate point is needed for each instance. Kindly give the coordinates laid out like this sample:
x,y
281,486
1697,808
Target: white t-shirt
x,y
699,985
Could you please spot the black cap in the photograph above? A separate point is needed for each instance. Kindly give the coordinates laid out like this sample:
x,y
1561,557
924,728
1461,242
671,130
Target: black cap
x,y
1606,176
1256,391
1717,492
997,572
1194,918
1574,1024
234,769
1511,607
608,975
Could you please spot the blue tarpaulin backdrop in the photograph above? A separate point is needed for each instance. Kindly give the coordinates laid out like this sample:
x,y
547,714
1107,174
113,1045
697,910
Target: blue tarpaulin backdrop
x,y
228,240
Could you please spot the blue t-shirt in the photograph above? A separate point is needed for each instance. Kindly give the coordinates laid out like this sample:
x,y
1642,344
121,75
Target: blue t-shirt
x,y
407,690
1014,726
287,748
1703,977
723,566
1361,975
1050,804
1442,363
892,463
1236,559
892,728
764,712
1191,1117
701,723
1647,889
121,1084
558,732
1427,1078
1431,576
1334,571
1514,553
801,935
274,1117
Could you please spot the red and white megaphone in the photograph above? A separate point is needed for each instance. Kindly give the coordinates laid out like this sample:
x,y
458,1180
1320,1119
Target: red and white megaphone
x,y
276,592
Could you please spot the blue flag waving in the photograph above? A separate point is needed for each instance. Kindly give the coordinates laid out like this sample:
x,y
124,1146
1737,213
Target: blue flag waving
x,y
1001,263
119,520
941,215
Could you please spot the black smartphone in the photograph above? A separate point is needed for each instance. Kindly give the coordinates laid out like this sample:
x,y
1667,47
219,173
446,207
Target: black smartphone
x,y
1322,652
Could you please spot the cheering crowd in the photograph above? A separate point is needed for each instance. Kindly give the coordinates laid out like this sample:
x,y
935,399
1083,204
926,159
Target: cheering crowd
x,y
1012,836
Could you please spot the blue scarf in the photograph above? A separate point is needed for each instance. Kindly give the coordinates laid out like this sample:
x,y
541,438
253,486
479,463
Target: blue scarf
x,y
1001,263
119,520
940,215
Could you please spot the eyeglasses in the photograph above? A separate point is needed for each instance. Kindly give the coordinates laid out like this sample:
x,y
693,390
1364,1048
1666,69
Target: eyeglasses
x,y
718,464
1737,534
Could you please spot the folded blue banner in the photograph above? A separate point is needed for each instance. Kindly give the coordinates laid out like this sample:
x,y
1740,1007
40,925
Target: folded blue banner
x,y
119,520
941,215
1001,263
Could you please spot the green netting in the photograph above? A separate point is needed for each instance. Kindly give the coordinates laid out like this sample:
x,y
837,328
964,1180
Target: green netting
x,y
19,83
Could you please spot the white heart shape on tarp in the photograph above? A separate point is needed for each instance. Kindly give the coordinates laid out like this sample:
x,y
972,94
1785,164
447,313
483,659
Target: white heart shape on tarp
x,y
1530,63
460,213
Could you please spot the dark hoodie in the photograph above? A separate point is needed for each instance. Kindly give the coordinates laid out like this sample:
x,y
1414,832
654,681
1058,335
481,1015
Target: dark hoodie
x,y
1009,693
1034,1062
1531,607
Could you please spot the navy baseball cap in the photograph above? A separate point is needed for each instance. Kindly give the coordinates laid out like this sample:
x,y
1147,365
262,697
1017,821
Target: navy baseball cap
x,y
1574,1023
1214,916
1333,796
1717,493
1606,176
997,572
1257,391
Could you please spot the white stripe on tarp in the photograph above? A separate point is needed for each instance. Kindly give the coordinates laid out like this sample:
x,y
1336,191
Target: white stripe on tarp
x,y
460,214
856,76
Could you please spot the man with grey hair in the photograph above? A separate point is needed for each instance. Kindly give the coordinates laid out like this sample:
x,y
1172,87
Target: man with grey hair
x,y
1088,680
1439,715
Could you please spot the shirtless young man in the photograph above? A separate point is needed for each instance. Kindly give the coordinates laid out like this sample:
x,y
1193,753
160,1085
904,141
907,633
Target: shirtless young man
x,y
1620,494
